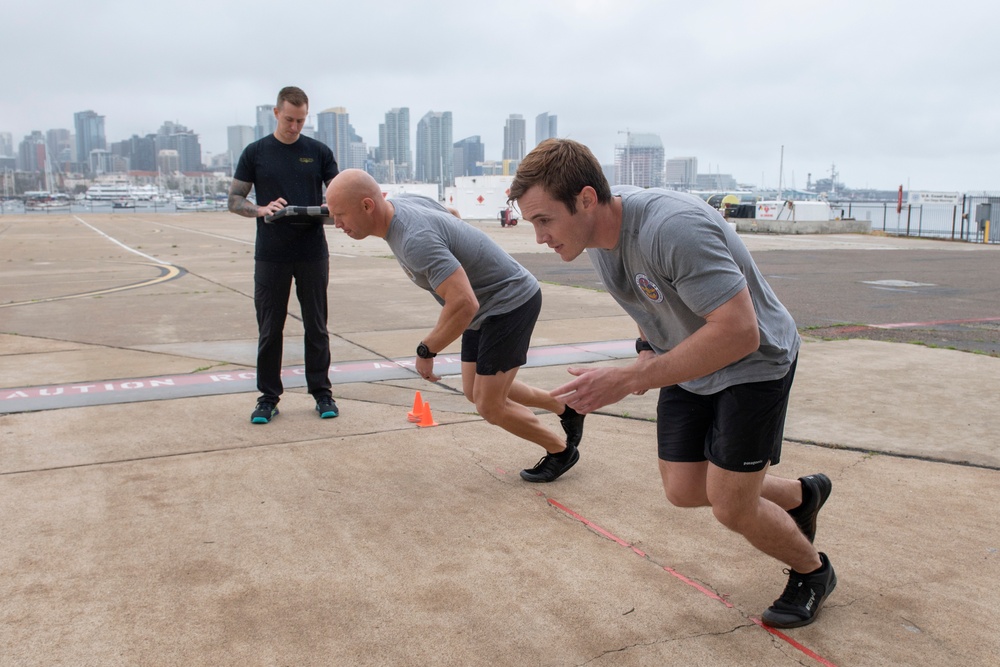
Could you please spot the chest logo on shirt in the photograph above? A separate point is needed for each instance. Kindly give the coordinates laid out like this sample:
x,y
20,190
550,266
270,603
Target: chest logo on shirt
x,y
306,160
648,288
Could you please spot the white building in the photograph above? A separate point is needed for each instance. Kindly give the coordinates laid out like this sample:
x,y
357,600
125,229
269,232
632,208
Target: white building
x,y
479,197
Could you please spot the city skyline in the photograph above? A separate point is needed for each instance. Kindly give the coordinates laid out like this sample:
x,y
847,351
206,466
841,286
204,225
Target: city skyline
x,y
649,165
891,93
439,158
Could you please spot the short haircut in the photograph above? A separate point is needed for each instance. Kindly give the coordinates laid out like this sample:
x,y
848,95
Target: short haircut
x,y
294,96
562,168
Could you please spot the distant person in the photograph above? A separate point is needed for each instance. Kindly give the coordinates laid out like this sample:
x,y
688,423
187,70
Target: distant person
x,y
288,169
488,299
713,338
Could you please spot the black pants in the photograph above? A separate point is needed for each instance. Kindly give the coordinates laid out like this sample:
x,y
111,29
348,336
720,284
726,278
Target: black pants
x,y
272,289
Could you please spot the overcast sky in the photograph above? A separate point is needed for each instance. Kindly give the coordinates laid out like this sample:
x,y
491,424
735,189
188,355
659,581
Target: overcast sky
x,y
891,92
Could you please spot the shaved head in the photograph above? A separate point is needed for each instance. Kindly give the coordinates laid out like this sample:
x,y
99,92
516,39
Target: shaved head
x,y
357,205
355,184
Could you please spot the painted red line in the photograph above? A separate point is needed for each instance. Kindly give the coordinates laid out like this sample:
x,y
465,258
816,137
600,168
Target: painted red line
x,y
851,329
614,538
593,526
903,325
792,642
698,586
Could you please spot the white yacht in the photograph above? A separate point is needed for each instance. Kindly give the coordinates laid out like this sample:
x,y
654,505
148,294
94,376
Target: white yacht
x,y
120,190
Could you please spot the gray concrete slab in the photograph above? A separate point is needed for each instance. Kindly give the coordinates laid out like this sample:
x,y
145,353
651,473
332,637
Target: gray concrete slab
x,y
175,532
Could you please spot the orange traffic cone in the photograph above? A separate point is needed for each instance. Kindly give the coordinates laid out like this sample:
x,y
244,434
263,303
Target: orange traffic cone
x,y
426,418
418,408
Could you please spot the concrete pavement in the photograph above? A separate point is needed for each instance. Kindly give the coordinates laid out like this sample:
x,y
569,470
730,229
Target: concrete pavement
x,y
174,532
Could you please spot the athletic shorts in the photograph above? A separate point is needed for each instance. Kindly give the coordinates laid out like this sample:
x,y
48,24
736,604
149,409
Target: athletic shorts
x,y
738,429
501,342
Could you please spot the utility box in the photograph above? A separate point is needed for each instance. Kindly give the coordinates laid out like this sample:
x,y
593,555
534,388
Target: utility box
x,y
983,216
989,226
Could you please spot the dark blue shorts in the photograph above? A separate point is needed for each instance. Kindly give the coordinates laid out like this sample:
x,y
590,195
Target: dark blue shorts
x,y
739,428
501,342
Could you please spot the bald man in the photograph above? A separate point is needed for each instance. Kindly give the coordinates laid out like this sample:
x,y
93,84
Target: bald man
x,y
487,298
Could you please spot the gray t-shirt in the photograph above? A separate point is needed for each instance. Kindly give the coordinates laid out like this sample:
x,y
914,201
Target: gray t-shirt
x,y
676,261
431,244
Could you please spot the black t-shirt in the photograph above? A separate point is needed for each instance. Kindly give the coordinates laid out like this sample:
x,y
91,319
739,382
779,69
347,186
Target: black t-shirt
x,y
296,172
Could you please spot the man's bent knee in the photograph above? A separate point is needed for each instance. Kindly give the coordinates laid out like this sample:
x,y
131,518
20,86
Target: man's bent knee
x,y
685,497
684,483
735,518
491,411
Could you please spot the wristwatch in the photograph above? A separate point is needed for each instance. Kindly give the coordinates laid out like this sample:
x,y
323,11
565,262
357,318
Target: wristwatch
x,y
643,345
424,352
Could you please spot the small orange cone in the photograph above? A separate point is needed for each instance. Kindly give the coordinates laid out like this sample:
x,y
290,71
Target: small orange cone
x,y
426,418
418,408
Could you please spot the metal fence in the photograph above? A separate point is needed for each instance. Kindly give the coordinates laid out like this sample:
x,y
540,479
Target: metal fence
x,y
957,222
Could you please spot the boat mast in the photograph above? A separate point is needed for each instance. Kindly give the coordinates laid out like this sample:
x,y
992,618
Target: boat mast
x,y
781,169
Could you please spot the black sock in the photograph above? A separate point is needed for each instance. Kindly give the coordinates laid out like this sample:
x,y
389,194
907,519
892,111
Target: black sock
x,y
821,568
806,497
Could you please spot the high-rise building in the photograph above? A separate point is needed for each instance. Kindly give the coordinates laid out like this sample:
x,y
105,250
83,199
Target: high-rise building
x,y
6,144
394,143
60,144
514,138
139,153
89,134
434,150
358,154
469,156
238,137
333,129
545,127
173,136
168,161
640,161
101,161
682,172
31,153
266,122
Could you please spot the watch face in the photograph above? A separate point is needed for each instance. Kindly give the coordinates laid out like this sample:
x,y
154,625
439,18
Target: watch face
x,y
424,352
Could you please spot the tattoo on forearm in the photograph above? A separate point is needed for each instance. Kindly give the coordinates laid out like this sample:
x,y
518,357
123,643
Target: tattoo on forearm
x,y
238,202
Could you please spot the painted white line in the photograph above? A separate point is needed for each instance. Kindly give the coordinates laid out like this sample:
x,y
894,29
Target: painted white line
x,y
220,236
196,231
119,243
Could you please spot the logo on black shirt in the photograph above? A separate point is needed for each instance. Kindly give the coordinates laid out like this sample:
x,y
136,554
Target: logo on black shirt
x,y
648,288
306,160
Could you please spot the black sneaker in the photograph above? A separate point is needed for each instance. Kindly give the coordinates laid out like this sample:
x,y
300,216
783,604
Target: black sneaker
x,y
551,466
572,424
264,412
815,490
327,407
804,595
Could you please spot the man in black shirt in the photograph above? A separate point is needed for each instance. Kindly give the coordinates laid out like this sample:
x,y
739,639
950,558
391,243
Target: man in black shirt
x,y
286,168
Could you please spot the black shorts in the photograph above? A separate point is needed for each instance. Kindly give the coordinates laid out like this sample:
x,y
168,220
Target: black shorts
x,y
501,342
738,429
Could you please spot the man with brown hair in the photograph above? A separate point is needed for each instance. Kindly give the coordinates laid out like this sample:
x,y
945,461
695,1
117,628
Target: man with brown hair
x,y
286,168
714,339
